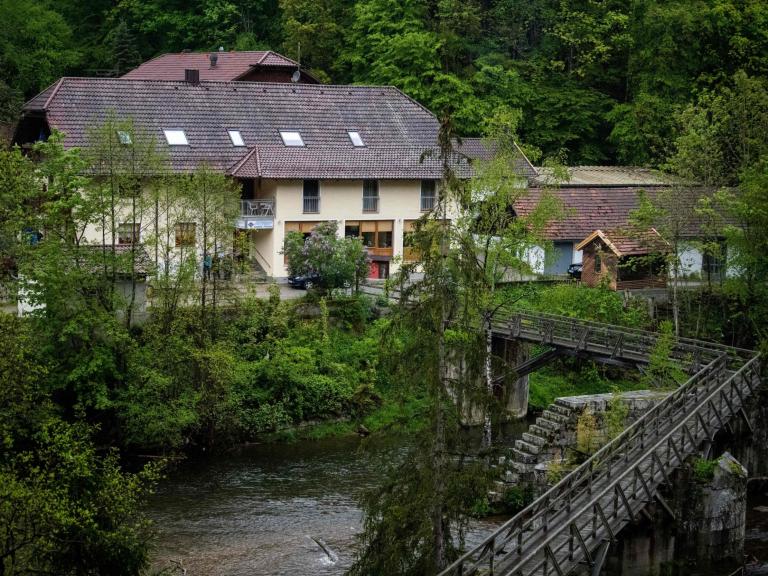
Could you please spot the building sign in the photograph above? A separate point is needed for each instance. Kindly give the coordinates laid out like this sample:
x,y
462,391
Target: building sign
x,y
261,224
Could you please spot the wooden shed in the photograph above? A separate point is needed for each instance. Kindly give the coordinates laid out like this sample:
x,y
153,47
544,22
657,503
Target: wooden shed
x,y
624,262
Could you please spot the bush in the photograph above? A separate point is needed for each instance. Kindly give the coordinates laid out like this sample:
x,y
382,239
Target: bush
x,y
338,262
596,304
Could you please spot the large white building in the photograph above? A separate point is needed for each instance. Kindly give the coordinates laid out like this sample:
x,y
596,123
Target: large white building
x,y
364,156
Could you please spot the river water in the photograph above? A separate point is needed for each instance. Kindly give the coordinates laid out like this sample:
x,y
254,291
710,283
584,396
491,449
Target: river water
x,y
269,509
263,510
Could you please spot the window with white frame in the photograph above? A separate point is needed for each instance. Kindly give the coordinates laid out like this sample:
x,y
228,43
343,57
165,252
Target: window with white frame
x,y
185,234
370,195
128,233
356,139
236,137
428,195
176,137
291,138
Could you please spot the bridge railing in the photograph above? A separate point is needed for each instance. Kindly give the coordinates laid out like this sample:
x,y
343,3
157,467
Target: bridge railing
x,y
507,313
604,339
536,538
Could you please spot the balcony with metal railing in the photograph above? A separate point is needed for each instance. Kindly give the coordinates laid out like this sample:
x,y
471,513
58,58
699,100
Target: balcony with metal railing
x,y
257,214
311,204
370,203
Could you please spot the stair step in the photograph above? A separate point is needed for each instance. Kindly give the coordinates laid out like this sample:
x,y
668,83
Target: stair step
x,y
523,458
522,467
560,409
555,417
524,446
538,430
534,439
564,403
548,424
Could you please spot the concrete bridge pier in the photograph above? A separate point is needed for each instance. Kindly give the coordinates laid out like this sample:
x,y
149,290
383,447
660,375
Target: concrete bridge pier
x,y
514,391
510,391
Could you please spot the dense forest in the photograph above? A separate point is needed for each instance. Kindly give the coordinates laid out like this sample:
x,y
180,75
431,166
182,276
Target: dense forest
x,y
595,81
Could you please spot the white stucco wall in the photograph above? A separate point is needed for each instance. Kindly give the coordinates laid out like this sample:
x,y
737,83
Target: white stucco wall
x,y
342,200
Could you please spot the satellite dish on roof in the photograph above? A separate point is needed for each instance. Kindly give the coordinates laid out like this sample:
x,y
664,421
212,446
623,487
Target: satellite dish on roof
x,y
297,75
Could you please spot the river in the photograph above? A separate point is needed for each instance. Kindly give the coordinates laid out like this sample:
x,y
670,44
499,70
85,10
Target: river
x,y
263,510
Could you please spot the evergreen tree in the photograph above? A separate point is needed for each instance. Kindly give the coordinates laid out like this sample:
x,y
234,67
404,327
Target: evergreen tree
x,y
125,53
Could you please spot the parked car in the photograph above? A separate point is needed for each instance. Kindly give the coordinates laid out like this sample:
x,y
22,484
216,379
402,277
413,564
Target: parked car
x,y
304,281
574,271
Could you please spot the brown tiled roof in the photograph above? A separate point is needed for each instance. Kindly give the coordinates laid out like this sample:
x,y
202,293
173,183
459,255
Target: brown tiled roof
x,y
400,135
591,208
379,162
229,65
605,176
621,244
483,149
395,128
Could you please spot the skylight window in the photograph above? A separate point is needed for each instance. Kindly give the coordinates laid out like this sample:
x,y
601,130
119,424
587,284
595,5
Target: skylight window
x,y
124,137
291,138
357,140
236,137
176,137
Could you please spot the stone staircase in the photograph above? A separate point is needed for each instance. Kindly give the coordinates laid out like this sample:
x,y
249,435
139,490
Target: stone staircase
x,y
555,432
543,441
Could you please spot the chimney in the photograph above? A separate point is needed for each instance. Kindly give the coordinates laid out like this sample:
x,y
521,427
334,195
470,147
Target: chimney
x,y
192,76
214,58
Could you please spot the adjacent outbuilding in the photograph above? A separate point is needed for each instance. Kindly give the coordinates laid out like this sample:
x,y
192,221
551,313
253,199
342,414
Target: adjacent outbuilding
x,y
624,262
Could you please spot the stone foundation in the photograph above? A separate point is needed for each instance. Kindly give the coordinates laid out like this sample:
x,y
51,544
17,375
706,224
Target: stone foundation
x,y
706,537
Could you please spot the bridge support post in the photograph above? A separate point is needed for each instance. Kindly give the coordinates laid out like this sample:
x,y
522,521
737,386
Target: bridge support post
x,y
515,390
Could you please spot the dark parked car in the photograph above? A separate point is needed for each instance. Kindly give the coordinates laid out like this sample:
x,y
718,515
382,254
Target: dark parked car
x,y
574,271
304,281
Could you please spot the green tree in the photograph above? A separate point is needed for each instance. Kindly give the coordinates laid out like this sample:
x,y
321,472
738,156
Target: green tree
x,y
18,188
36,46
65,508
467,244
125,52
124,163
494,244
214,200
312,29
336,262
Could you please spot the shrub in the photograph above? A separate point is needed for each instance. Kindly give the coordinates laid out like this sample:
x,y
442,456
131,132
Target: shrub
x,y
587,436
596,304
704,470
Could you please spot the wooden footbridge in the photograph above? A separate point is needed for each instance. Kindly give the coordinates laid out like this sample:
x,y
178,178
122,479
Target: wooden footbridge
x,y
573,524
